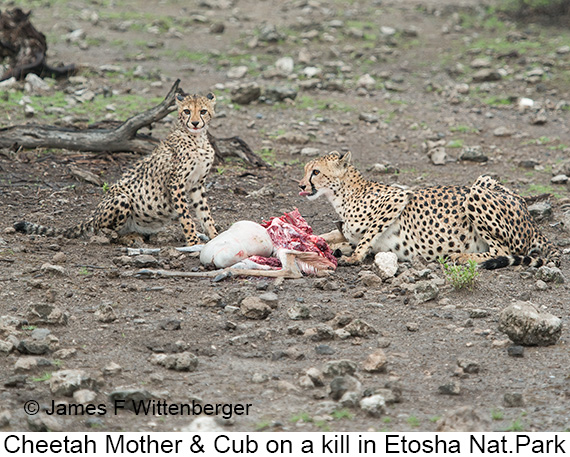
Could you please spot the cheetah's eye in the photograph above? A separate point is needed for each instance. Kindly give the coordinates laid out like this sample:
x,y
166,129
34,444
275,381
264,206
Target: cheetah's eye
x,y
316,172
203,111
187,112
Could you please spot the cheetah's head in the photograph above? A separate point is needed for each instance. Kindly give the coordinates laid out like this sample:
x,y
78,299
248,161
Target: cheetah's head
x,y
323,175
195,111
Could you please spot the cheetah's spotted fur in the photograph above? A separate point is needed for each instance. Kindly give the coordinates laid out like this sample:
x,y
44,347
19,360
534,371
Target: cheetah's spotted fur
x,y
485,222
161,187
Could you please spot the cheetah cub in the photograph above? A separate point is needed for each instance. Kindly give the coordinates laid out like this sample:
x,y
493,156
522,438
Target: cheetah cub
x,y
162,187
485,222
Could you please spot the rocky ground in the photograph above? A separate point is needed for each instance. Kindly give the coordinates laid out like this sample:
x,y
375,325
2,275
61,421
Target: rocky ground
x,y
422,93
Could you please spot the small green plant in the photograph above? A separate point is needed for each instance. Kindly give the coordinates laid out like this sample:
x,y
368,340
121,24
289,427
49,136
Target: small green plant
x,y
83,271
386,420
463,129
302,416
263,425
323,426
28,328
434,418
342,414
460,276
413,421
516,426
106,187
455,144
497,415
45,377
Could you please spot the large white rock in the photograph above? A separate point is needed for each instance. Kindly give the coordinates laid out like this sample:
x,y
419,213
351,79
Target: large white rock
x,y
242,240
386,264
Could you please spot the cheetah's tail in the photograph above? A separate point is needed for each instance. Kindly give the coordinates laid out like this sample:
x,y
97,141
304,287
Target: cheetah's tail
x,y
508,260
552,254
37,229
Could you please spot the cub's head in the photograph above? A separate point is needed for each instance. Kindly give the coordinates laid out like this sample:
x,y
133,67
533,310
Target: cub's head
x,y
323,175
195,111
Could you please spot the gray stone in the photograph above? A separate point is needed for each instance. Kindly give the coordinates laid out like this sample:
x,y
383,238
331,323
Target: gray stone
x,y
202,425
246,93
526,325
310,152
513,400
254,308
36,83
464,419
502,131
375,405
66,382
321,332
53,269
184,361
130,398
5,417
43,423
473,154
369,279
339,367
515,351
269,34
369,117
468,366
559,179
316,376
281,93
482,62
38,344
486,75
112,369
451,388
376,362
425,291
366,81
359,328
438,156
550,274
478,313
237,72
299,311
84,396
340,385
105,313
270,298
540,211
285,65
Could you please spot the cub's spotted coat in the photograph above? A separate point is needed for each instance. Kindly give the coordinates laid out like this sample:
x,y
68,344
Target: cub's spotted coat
x,y
486,222
162,187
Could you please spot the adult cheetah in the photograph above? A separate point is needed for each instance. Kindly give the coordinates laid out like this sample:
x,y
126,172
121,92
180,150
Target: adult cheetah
x,y
161,187
485,222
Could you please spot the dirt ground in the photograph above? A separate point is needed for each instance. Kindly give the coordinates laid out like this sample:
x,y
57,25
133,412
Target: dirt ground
x,y
422,89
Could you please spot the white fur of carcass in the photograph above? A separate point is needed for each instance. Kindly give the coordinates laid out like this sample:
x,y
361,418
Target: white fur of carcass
x,y
242,240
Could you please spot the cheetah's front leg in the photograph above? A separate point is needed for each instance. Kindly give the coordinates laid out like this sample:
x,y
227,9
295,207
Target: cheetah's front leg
x,y
363,248
180,203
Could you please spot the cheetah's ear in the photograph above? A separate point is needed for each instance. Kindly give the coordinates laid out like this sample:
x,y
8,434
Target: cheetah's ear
x,y
212,98
180,97
345,158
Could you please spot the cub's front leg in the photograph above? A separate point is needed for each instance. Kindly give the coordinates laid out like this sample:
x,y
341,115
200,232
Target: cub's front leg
x,y
182,208
203,214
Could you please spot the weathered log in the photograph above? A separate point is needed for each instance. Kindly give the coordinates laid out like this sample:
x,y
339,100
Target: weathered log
x,y
116,138
25,48
121,138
